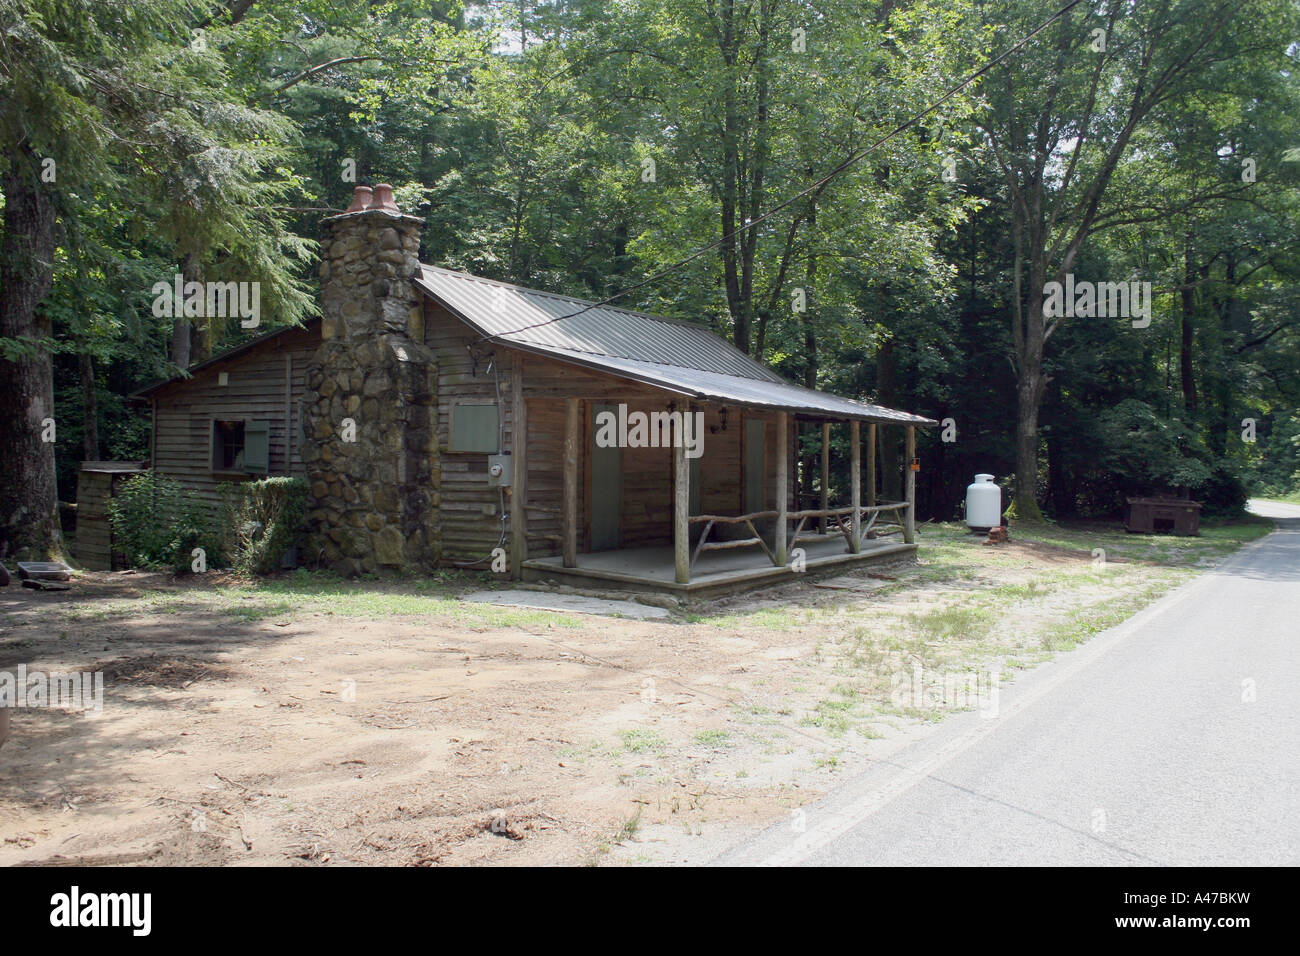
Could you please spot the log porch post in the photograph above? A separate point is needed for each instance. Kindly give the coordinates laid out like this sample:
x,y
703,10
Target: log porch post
x,y
826,474
519,471
909,525
855,481
570,519
782,487
681,512
871,464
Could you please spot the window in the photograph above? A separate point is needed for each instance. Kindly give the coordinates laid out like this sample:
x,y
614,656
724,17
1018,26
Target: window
x,y
475,428
241,447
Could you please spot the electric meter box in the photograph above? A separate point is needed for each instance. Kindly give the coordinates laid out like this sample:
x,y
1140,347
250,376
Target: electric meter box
x,y
499,471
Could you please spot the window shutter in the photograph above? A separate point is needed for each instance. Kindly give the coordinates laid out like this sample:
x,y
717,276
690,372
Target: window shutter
x,y
257,447
474,428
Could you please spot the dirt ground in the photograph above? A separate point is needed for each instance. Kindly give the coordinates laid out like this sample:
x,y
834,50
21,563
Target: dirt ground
x,y
302,734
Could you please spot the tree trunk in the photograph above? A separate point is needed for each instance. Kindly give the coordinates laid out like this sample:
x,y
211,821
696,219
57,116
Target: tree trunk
x,y
183,334
811,364
811,367
1058,485
1027,447
1185,368
728,209
29,505
206,332
89,409
181,342
891,463
1030,338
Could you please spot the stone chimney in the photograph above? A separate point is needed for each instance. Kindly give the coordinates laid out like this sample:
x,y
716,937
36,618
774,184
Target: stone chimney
x,y
370,425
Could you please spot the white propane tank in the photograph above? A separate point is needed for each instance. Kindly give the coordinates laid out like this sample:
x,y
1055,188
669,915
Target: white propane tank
x,y
983,504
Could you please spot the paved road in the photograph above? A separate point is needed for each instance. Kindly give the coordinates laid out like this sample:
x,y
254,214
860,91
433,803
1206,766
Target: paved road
x,y
1173,739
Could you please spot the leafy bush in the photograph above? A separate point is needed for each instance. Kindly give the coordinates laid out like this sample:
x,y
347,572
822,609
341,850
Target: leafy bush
x,y
261,520
157,523
1148,453
1274,469
1224,494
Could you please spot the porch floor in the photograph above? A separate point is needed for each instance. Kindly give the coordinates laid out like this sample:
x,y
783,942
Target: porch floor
x,y
715,572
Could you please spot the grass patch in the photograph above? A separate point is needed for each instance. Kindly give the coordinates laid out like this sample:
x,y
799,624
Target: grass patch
x,y
1217,539
258,611
767,618
304,592
628,830
641,741
713,738
1015,607
835,715
955,622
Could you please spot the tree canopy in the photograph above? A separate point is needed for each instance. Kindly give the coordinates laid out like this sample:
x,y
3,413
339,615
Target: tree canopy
x,y
863,220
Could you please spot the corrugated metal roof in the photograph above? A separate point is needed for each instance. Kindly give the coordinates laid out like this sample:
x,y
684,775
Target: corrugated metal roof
x,y
514,313
667,353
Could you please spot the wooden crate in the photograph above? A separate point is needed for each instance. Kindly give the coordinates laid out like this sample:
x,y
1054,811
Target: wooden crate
x,y
1163,516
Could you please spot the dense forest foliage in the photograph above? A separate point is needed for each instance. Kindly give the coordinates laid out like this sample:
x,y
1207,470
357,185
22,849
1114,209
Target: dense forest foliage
x,y
865,221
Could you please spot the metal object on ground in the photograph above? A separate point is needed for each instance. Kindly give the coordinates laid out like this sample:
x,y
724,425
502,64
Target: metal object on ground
x,y
44,571
983,504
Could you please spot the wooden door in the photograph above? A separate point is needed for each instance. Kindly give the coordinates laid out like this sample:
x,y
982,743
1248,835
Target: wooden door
x,y
606,490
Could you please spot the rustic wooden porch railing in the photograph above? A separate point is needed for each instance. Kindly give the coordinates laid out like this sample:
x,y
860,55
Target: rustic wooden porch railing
x,y
754,540
840,518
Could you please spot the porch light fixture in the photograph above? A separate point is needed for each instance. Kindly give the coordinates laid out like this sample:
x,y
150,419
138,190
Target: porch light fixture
x,y
722,414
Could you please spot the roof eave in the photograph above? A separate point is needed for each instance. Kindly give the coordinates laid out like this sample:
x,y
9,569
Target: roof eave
x,y
596,365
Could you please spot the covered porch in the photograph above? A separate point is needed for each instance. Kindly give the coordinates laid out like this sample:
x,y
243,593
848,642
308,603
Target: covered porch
x,y
726,520
714,574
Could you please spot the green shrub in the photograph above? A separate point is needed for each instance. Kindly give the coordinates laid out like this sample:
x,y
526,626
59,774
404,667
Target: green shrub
x,y
261,520
1224,494
157,523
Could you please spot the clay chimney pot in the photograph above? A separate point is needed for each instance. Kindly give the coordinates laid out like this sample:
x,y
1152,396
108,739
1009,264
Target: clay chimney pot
x,y
383,199
360,198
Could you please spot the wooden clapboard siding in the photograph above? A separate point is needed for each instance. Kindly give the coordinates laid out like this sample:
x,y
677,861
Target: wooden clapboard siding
x,y
647,512
546,420
470,514
721,491
258,390
550,378
469,508
469,511
647,479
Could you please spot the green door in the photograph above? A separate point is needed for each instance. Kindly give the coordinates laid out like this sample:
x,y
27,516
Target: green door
x,y
606,488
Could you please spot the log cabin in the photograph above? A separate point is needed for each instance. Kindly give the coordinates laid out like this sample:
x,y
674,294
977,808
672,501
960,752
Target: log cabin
x,y
445,420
